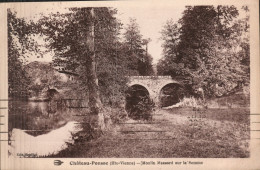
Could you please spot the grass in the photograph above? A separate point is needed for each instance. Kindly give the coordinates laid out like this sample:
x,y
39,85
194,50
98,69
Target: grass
x,y
177,132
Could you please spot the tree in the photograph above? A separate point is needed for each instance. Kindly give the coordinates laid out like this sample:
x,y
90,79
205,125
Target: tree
x,y
85,40
92,81
204,49
140,62
19,42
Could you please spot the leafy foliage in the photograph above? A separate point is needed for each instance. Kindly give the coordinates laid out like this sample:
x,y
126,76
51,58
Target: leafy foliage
x,y
207,48
69,36
139,61
18,43
138,103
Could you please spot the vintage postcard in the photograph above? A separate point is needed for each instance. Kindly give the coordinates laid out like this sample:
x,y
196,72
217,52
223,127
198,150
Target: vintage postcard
x,y
130,85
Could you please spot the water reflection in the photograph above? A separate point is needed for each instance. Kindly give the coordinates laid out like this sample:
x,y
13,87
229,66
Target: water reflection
x,y
38,117
42,128
42,145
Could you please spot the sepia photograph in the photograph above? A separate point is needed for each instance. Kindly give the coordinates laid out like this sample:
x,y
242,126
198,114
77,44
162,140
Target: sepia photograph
x,y
118,81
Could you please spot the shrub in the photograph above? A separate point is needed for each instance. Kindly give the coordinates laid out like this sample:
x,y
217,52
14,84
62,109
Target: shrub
x,y
143,109
190,102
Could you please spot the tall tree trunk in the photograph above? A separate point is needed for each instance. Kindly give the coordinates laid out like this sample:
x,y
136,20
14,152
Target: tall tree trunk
x,y
96,118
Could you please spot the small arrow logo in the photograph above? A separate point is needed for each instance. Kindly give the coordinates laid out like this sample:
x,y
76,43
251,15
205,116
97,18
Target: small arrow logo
x,y
58,162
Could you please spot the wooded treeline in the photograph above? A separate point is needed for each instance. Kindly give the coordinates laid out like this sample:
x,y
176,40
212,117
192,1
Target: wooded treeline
x,y
18,42
119,50
208,48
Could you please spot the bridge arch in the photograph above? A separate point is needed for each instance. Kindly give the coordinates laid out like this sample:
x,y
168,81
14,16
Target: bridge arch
x,y
134,95
140,84
170,94
167,83
51,92
153,84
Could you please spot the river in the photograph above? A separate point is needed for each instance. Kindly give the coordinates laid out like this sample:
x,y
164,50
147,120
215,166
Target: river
x,y
39,128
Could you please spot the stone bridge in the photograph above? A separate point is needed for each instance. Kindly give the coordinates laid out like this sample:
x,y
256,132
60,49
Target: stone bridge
x,y
153,84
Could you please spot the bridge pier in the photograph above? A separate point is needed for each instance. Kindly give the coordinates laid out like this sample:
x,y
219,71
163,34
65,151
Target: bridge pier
x,y
155,99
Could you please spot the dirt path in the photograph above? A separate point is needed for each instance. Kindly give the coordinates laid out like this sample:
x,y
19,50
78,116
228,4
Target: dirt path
x,y
170,134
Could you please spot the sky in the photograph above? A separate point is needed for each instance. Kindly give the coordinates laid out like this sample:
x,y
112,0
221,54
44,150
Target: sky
x,y
151,22
150,19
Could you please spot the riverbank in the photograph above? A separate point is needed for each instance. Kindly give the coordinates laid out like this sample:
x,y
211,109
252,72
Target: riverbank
x,y
182,132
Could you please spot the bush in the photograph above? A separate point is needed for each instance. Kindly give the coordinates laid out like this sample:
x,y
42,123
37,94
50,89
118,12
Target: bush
x,y
190,102
143,109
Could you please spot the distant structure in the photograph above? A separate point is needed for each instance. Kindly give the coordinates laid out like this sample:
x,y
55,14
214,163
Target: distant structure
x,y
68,75
153,84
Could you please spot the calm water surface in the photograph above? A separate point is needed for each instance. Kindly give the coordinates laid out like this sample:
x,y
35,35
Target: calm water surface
x,y
41,117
